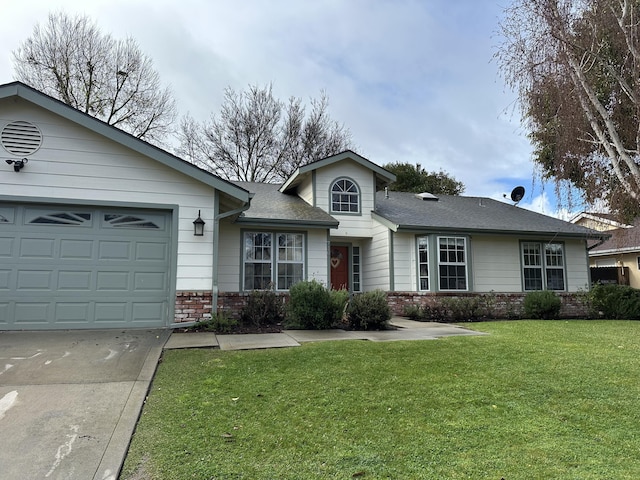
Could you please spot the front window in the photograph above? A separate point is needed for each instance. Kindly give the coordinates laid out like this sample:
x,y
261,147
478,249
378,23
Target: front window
x,y
345,196
423,262
452,266
543,266
356,268
273,260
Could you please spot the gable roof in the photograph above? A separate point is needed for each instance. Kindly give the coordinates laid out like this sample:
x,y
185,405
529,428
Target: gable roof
x,y
270,206
403,211
31,95
606,220
383,177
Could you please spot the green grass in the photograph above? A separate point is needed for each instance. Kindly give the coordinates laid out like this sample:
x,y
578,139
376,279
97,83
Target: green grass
x,y
534,400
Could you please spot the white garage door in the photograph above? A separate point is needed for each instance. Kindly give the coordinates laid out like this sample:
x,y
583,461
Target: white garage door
x,y
77,267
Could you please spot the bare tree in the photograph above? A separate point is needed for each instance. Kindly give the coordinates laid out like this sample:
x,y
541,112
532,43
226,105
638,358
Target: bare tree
x,y
576,67
70,59
258,138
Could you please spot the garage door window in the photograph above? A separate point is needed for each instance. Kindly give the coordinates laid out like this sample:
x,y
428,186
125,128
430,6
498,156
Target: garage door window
x,y
129,221
62,218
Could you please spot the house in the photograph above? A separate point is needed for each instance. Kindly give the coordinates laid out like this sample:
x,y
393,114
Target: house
x,y
97,231
616,259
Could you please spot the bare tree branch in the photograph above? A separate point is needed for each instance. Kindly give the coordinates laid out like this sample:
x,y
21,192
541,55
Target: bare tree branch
x,y
70,59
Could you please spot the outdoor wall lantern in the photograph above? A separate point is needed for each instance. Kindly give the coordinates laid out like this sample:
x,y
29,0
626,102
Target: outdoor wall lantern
x,y
17,164
198,226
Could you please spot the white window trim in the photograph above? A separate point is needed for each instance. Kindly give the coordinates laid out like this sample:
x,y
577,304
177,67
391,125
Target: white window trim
x,y
465,264
419,263
273,261
544,267
358,194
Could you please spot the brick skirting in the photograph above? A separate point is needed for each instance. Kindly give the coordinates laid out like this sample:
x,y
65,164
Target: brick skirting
x,y
193,306
197,306
497,305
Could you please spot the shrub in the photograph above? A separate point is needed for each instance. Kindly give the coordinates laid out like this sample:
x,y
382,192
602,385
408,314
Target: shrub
x,y
339,302
464,309
220,323
369,311
263,307
543,304
614,302
413,312
309,306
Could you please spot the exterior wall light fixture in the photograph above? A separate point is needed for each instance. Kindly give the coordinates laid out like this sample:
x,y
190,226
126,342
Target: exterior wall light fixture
x,y
198,226
18,164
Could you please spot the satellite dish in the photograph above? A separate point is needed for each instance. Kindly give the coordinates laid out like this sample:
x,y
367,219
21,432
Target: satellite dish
x,y
517,194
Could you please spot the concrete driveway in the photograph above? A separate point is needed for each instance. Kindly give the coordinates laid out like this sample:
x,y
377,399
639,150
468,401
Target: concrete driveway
x,y
69,400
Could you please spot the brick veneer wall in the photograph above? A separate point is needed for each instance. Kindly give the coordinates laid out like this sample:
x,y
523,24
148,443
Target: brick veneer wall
x,y
232,303
196,306
500,305
193,306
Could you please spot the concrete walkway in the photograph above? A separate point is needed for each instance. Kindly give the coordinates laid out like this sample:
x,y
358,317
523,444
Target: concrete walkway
x,y
404,330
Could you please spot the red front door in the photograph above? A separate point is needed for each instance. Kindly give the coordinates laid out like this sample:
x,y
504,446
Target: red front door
x,y
339,263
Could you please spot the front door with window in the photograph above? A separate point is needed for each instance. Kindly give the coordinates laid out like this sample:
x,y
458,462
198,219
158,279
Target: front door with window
x,y
339,263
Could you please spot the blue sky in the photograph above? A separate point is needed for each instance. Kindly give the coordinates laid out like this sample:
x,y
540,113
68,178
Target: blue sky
x,y
414,80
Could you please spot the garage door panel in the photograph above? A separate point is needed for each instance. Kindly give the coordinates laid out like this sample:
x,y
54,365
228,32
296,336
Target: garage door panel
x,y
37,248
150,281
4,313
79,267
114,250
32,312
147,251
29,280
112,281
76,249
5,279
148,312
77,312
111,312
75,280
6,247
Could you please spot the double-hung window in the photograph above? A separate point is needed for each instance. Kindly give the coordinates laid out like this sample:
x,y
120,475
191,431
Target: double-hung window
x,y
452,263
272,260
543,266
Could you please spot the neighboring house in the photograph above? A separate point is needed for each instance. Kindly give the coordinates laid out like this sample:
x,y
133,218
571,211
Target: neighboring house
x,y
97,231
621,251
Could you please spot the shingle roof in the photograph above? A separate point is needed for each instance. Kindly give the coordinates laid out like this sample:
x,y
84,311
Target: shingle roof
x,y
623,240
470,214
269,205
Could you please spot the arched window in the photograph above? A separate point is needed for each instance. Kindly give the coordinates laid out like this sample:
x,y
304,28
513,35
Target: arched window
x,y
345,196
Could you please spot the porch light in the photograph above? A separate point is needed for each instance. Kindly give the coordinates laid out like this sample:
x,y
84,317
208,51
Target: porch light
x,y
198,226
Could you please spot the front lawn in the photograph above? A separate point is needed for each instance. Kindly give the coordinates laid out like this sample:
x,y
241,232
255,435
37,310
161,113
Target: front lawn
x,y
535,399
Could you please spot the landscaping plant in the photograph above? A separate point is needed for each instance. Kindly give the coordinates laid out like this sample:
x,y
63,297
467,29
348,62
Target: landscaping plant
x,y
543,304
369,311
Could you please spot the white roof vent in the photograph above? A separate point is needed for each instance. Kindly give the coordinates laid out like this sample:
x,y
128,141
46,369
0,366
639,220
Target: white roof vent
x,y
21,138
426,196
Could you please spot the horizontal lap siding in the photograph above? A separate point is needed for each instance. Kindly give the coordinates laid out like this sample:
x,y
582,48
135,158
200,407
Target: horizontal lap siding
x,y
404,262
350,225
496,264
376,260
74,163
577,265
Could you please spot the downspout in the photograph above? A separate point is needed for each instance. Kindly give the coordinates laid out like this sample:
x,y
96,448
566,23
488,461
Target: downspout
x,y
216,237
